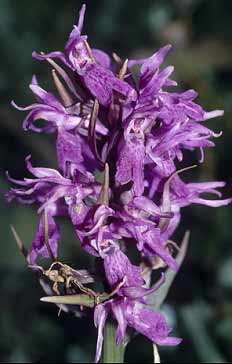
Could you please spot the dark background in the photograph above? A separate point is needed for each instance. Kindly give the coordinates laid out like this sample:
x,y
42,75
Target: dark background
x,y
199,304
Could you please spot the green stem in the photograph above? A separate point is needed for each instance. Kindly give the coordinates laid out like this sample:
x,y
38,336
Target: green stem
x,y
111,352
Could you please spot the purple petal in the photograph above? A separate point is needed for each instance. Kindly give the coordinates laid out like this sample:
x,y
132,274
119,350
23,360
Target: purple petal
x,y
155,245
213,203
213,114
46,173
55,194
102,58
28,108
140,292
169,341
157,82
101,82
117,266
98,221
151,324
75,36
100,316
69,150
78,213
46,97
144,203
81,18
39,247
152,64
130,164
45,57
118,311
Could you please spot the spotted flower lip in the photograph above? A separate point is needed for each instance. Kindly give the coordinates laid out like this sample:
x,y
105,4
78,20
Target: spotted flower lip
x,y
118,142
130,164
118,268
140,319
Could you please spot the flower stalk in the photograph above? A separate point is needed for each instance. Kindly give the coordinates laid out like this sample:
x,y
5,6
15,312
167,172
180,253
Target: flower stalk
x,y
112,353
156,354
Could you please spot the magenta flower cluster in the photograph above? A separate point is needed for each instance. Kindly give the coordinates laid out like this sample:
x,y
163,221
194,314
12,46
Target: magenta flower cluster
x,y
117,142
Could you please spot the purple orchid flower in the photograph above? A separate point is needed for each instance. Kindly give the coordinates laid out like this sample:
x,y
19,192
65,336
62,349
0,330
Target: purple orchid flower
x,y
179,118
132,314
57,196
117,144
91,66
129,309
50,109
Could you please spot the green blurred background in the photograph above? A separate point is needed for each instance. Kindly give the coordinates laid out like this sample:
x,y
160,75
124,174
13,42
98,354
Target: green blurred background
x,y
200,302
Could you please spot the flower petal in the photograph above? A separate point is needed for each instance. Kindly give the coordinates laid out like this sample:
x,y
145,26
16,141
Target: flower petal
x,y
100,317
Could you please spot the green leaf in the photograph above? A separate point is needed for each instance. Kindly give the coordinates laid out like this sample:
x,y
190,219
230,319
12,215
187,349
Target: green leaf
x,y
80,300
224,329
225,273
158,297
195,318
